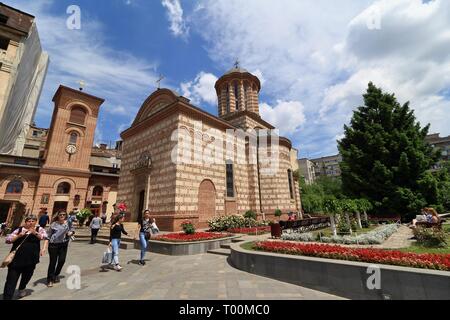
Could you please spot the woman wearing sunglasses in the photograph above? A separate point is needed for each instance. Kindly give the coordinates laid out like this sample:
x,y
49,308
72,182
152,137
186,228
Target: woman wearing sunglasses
x,y
58,243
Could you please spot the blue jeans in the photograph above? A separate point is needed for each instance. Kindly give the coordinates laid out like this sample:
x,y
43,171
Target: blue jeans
x,y
144,244
115,243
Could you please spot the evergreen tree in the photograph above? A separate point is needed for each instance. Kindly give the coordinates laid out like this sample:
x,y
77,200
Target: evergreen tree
x,y
386,158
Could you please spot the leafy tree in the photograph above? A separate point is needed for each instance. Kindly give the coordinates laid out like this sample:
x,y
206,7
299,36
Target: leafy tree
x,y
385,156
332,207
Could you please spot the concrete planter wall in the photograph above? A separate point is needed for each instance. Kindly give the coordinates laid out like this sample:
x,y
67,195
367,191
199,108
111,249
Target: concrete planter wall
x,y
183,248
344,278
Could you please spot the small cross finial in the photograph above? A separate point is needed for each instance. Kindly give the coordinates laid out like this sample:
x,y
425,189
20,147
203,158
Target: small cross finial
x,y
82,84
236,64
161,78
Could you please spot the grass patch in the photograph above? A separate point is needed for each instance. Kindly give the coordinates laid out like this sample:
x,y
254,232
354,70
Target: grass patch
x,y
248,246
417,248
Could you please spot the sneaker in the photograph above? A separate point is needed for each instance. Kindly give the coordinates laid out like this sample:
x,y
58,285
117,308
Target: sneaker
x,y
142,263
50,284
118,267
57,279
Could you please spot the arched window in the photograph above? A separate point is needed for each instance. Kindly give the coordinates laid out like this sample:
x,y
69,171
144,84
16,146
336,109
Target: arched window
x,y
63,188
97,192
246,97
236,95
73,138
14,187
228,99
230,179
78,115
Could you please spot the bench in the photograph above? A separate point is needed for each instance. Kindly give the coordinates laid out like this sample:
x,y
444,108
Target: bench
x,y
385,218
305,225
428,225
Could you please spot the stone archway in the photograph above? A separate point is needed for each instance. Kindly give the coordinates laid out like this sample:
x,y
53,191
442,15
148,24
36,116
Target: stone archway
x,y
206,202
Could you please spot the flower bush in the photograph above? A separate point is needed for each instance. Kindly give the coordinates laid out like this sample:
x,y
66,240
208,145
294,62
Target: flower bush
x,y
224,223
251,215
304,237
377,236
198,236
250,231
431,237
414,260
122,207
188,227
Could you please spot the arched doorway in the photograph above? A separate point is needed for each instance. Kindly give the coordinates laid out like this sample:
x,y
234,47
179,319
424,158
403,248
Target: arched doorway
x,y
206,202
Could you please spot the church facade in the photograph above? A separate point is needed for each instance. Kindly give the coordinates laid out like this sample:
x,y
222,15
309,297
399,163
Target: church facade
x,y
183,163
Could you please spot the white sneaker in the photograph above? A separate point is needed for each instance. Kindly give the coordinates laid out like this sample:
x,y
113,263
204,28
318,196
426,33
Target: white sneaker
x,y
118,267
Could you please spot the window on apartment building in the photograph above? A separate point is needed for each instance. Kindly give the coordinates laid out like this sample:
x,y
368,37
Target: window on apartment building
x,y
35,133
291,186
14,187
230,180
4,43
3,19
21,162
78,115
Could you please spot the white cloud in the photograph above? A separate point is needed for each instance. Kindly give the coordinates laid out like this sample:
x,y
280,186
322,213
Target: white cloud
x,y
201,89
324,54
117,76
119,110
287,116
175,14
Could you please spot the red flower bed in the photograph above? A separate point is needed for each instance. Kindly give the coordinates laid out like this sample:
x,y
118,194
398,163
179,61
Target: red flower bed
x,y
198,236
256,230
426,261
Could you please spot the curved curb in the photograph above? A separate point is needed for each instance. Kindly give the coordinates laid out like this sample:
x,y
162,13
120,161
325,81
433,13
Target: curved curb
x,y
185,248
347,279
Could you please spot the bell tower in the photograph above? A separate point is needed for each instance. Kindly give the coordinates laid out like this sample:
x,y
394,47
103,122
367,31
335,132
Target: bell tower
x,y
238,91
72,130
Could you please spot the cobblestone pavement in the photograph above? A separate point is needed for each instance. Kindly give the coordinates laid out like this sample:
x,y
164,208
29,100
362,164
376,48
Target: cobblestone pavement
x,y
202,277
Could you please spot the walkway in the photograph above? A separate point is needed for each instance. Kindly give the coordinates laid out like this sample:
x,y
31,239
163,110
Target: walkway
x,y
206,276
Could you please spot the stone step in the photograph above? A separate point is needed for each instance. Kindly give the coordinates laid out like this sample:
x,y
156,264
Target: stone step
x,y
222,252
123,245
226,246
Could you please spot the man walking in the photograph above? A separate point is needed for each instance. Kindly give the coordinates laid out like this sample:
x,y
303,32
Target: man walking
x,y
44,220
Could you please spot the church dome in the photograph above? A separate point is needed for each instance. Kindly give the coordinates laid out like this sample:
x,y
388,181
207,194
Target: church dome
x,y
236,70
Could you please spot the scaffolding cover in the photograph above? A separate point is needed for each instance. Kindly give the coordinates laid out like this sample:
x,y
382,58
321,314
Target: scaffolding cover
x,y
24,97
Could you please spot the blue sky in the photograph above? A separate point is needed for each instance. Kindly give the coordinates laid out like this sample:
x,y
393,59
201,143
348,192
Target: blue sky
x,y
314,58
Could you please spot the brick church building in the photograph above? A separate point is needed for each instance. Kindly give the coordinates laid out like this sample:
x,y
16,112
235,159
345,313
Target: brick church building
x,y
60,169
178,190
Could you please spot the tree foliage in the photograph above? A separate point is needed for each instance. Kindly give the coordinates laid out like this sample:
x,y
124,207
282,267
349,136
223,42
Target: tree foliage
x,y
386,158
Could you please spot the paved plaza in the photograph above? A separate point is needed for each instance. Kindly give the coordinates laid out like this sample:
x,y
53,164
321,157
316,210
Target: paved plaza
x,y
202,277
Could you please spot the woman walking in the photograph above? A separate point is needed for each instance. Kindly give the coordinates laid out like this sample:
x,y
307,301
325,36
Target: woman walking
x,y
26,240
116,235
144,231
95,225
58,239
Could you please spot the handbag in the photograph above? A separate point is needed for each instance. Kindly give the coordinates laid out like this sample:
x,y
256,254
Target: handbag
x,y
107,256
148,236
10,257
